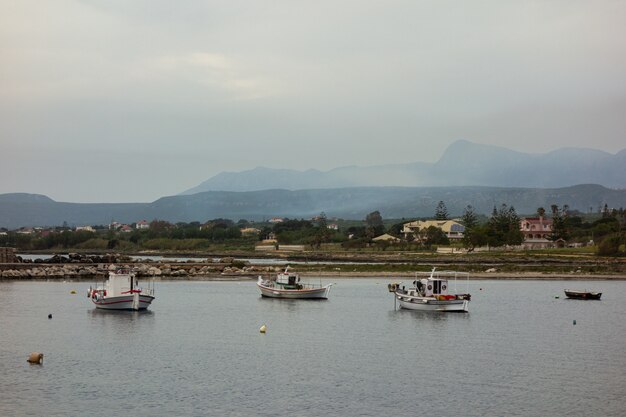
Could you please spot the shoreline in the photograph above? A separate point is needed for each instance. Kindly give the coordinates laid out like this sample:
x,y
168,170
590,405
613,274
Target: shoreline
x,y
76,267
335,276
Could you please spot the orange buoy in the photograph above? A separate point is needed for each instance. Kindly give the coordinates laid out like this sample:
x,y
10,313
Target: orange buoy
x,y
36,358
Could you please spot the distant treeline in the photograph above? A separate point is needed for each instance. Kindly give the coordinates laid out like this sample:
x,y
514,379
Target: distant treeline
x,y
502,228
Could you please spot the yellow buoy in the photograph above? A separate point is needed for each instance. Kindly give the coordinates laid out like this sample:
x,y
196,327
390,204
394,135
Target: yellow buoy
x,y
73,292
263,329
35,357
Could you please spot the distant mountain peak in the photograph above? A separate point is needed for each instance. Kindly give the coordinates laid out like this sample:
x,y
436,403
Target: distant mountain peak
x,y
25,198
463,163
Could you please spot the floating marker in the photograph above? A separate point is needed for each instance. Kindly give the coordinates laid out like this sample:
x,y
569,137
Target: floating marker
x,y
49,316
556,296
72,292
263,329
36,358
574,323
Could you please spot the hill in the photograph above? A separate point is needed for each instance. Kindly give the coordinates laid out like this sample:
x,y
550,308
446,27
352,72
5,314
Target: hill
x,y
463,163
21,210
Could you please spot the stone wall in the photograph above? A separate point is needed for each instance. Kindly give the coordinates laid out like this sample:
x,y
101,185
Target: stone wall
x,y
7,255
156,270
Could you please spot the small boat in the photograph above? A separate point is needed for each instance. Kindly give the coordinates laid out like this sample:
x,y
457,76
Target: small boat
x,y
583,295
121,292
431,292
288,285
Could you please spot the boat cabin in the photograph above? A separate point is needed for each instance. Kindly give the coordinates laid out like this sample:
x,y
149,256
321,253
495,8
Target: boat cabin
x,y
122,281
430,287
288,280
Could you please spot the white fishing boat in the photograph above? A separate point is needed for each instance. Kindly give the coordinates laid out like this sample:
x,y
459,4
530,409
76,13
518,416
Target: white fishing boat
x,y
289,285
432,292
121,292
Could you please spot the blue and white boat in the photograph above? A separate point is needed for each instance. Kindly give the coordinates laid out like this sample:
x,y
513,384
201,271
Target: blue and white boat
x,y
432,292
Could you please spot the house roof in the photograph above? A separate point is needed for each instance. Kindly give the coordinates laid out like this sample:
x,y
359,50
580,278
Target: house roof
x,y
386,237
445,225
537,220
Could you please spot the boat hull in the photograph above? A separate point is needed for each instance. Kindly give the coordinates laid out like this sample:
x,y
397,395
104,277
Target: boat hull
x,y
429,304
311,293
125,302
583,295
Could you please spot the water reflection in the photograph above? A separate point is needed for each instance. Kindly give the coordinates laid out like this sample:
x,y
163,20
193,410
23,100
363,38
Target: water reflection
x,y
120,318
120,313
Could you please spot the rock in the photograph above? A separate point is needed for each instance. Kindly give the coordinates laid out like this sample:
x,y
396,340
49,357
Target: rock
x,y
154,271
491,270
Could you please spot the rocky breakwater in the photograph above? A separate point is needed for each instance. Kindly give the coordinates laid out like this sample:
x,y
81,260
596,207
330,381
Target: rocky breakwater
x,y
77,258
86,268
61,271
190,270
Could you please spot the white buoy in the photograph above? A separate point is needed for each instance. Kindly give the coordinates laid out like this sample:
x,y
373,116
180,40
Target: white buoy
x,y
36,358
263,329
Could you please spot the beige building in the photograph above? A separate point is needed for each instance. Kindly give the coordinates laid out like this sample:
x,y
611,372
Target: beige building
x,y
386,238
453,229
250,231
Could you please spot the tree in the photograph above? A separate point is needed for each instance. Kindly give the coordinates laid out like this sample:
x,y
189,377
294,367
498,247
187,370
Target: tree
x,y
469,218
610,246
434,236
374,219
504,227
323,234
374,223
477,237
441,212
322,220
396,229
541,212
559,226
471,237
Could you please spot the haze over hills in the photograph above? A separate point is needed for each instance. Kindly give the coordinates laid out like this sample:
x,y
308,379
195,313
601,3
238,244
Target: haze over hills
x,y
463,163
467,173
22,210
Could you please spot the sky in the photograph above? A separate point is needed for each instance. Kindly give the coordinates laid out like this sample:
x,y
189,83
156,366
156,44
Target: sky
x,y
131,100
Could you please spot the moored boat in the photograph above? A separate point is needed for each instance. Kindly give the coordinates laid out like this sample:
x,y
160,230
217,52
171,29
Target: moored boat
x,y
121,291
289,285
583,295
431,292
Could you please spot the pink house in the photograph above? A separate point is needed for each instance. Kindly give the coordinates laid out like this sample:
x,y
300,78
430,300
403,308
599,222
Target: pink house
x,y
537,232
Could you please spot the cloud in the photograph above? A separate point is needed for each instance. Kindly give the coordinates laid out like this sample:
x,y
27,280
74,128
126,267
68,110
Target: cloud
x,y
215,72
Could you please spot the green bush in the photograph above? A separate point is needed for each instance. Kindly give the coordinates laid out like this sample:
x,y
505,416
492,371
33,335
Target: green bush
x,y
610,246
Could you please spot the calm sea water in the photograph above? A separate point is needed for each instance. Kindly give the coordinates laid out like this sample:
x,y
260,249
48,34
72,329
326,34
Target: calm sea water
x,y
199,352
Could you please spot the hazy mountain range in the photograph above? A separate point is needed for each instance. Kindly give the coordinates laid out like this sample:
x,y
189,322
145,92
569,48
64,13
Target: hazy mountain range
x,y
17,210
462,164
467,173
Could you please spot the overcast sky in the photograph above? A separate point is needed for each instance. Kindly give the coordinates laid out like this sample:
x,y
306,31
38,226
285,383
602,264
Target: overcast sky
x,y
128,101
